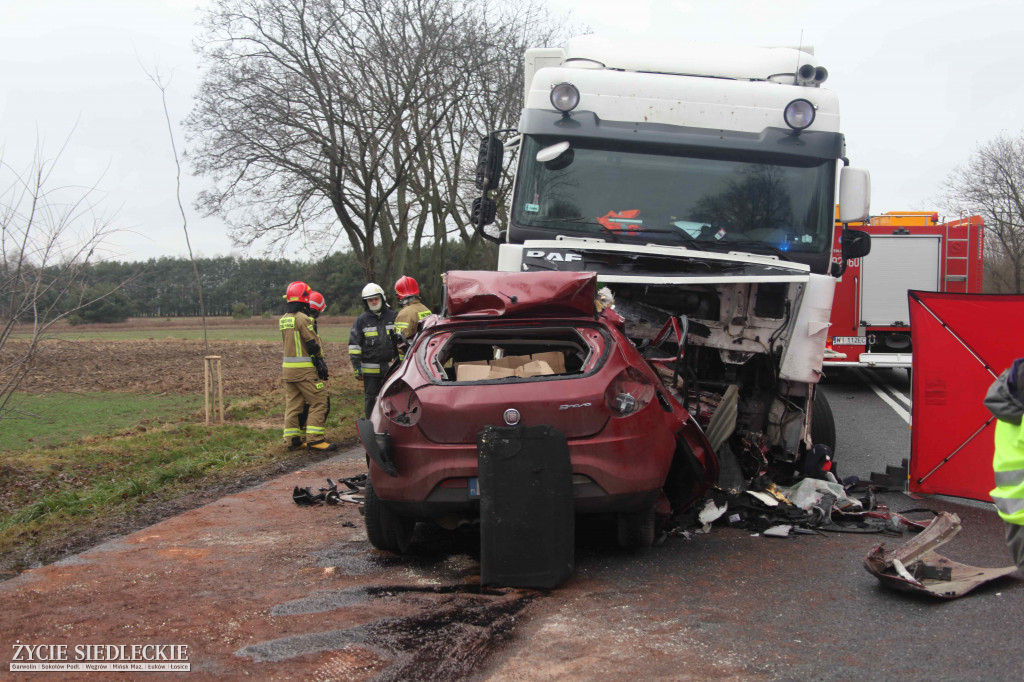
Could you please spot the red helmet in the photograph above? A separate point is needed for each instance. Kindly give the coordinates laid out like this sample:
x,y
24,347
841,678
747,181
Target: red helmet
x,y
406,286
316,301
297,291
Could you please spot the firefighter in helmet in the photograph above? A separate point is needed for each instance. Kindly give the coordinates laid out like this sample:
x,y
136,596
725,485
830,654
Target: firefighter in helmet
x,y
411,312
370,345
315,306
304,373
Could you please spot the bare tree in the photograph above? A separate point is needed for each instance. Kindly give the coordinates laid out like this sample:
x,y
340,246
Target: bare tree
x,y
48,236
327,119
991,183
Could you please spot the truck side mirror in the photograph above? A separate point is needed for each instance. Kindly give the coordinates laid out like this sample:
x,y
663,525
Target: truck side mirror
x,y
484,211
854,195
856,244
488,162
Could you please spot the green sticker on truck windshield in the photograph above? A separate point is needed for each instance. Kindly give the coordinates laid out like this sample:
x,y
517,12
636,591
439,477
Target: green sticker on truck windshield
x,y
532,208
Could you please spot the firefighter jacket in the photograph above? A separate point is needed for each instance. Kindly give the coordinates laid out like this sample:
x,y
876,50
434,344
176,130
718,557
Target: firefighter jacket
x,y
1004,401
297,332
408,321
370,347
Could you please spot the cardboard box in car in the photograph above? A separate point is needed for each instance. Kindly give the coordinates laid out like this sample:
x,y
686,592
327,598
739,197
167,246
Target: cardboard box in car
x,y
539,364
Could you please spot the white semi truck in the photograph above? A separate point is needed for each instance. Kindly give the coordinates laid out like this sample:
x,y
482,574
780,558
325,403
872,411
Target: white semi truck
x,y
699,182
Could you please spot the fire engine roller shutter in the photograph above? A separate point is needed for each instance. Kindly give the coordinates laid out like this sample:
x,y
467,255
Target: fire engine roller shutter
x,y
897,264
962,342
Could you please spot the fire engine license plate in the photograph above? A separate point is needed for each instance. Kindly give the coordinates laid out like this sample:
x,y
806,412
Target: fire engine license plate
x,y
474,487
849,340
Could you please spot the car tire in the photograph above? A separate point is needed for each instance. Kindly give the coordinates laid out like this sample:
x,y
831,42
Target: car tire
x,y
636,529
385,529
823,424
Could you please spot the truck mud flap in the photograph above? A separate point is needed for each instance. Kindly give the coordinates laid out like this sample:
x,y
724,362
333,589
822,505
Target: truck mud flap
x,y
527,523
377,445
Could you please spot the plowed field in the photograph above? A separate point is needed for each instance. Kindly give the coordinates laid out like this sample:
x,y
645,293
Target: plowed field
x,y
158,365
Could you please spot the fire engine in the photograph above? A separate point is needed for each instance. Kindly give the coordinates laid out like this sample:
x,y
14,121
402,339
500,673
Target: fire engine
x,y
909,250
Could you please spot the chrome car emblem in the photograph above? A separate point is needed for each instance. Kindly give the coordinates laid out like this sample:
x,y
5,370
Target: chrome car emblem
x,y
511,416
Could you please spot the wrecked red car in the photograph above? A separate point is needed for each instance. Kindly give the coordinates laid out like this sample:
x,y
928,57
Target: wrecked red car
x,y
528,349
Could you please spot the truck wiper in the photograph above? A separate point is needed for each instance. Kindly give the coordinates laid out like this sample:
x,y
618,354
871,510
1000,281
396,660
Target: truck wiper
x,y
748,243
578,221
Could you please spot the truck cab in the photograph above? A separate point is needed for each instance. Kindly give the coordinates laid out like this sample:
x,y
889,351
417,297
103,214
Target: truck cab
x,y
699,183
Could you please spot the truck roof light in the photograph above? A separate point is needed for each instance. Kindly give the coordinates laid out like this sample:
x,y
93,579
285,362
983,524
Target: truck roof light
x,y
565,97
799,114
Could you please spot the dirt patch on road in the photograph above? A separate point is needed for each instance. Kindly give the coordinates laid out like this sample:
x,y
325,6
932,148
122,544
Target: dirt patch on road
x,y
257,587
155,366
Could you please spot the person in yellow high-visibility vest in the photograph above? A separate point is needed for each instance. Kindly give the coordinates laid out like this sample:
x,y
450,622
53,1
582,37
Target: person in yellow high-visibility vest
x,y
1005,399
304,374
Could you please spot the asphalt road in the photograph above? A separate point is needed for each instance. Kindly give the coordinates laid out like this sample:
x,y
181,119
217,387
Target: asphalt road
x,y
261,589
872,413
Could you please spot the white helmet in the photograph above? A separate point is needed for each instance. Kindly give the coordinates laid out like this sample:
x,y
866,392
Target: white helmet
x,y
372,290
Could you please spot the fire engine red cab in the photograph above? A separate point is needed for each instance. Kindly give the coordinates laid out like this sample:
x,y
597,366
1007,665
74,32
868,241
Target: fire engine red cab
x,y
870,324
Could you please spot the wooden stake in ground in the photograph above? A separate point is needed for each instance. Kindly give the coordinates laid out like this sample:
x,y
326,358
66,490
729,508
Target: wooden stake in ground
x,y
213,388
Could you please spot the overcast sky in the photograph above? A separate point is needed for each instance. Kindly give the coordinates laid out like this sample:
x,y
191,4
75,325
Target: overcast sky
x,y
920,84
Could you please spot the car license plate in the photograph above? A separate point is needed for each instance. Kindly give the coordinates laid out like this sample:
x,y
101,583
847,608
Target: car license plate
x,y
474,487
849,340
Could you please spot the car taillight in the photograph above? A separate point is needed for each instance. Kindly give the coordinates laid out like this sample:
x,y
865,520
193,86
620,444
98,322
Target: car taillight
x,y
629,392
400,404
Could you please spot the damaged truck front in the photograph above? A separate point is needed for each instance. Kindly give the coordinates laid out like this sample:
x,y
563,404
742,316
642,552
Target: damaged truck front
x,y
699,183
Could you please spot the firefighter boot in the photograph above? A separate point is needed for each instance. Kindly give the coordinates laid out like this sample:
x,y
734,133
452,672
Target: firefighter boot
x,y
296,443
322,446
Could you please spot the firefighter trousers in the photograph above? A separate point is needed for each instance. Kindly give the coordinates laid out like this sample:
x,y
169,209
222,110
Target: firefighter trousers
x,y
371,387
297,394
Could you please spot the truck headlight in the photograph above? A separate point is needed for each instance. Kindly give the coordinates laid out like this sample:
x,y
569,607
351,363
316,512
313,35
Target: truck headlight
x,y
799,114
565,97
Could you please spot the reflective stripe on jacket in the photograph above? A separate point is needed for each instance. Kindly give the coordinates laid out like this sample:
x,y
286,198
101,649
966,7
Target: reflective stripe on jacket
x,y
1008,464
297,330
369,341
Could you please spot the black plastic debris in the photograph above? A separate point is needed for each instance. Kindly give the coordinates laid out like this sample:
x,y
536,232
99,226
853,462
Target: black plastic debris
x,y
304,497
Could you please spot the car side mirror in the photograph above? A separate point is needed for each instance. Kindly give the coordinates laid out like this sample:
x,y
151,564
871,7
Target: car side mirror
x,y
854,195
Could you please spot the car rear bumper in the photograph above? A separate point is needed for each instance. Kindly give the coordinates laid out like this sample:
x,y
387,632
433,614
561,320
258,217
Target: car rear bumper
x,y
612,470
456,502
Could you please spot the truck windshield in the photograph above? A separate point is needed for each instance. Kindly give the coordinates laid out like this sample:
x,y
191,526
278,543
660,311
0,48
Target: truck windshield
x,y
631,194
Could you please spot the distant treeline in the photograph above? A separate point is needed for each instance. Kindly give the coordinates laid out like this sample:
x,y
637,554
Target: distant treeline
x,y
166,287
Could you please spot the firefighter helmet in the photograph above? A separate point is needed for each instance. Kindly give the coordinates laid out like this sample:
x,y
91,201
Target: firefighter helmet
x,y
297,291
370,291
406,287
316,301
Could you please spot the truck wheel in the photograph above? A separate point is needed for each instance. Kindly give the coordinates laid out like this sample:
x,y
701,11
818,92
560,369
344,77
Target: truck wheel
x,y
385,529
636,529
823,424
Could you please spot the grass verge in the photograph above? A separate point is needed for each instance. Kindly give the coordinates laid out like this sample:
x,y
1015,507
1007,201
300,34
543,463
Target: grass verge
x,y
59,500
46,421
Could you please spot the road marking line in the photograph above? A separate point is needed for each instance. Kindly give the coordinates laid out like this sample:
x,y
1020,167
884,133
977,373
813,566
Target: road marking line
x,y
890,389
885,398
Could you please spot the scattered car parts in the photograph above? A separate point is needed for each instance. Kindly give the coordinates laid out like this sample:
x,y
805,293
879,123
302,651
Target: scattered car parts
x,y
915,567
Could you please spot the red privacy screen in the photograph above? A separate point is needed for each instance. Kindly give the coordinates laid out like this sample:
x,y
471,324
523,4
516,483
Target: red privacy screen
x,y
961,342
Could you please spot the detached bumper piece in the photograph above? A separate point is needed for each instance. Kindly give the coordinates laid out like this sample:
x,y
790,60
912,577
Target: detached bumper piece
x,y
527,522
377,445
915,567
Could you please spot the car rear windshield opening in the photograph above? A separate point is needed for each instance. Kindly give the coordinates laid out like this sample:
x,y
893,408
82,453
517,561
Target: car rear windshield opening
x,y
512,354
